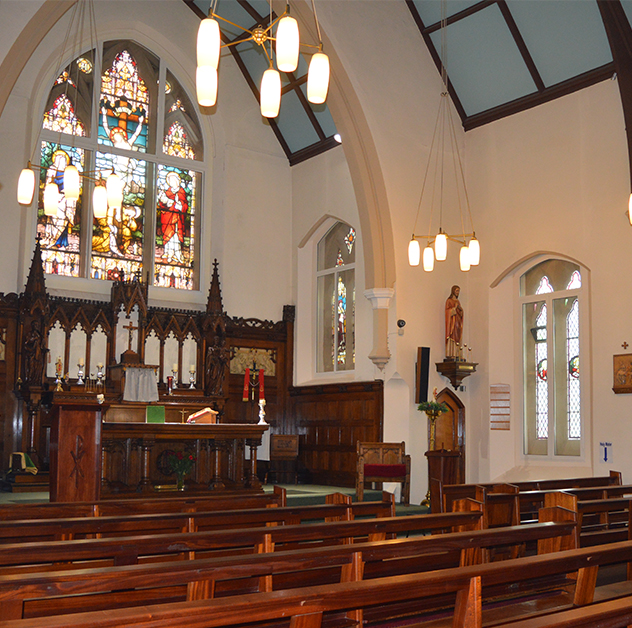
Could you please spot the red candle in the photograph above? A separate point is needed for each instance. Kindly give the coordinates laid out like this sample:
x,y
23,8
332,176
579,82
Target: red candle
x,y
261,397
246,385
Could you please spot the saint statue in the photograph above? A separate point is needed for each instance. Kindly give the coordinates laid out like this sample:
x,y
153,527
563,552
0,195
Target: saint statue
x,y
453,324
34,352
216,362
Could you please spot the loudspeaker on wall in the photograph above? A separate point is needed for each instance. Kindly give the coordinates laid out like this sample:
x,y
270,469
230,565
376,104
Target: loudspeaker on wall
x,y
422,373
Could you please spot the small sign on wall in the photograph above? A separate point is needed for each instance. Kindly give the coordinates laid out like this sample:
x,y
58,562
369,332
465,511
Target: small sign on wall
x,y
605,451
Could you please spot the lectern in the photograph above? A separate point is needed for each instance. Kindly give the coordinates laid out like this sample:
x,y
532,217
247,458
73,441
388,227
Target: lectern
x,y
443,468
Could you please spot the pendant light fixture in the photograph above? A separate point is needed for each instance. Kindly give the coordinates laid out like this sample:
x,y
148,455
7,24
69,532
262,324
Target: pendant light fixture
x,y
288,45
111,193
441,161
270,93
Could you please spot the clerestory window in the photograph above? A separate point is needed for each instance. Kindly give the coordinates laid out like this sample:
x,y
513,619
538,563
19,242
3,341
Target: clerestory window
x,y
121,111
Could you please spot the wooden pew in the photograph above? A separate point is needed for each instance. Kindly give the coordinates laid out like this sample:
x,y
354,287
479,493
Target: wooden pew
x,y
599,521
148,505
613,614
452,492
164,522
307,606
91,589
46,555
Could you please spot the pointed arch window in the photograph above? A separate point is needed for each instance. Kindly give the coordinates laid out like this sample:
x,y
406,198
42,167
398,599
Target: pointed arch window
x,y
336,299
551,295
159,161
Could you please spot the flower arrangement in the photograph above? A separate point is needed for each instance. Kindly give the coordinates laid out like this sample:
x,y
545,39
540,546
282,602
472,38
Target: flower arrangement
x,y
432,407
180,463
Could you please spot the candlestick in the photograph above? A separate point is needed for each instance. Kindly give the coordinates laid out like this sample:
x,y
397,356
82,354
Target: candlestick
x,y
175,377
192,378
262,412
80,372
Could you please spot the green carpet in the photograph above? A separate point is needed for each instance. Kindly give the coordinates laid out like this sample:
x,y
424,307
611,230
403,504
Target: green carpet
x,y
309,494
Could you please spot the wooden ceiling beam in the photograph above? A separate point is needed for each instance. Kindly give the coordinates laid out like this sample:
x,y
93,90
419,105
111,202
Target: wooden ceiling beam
x,y
619,35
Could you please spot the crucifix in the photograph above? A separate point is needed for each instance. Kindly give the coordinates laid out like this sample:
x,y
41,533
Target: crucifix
x,y
130,329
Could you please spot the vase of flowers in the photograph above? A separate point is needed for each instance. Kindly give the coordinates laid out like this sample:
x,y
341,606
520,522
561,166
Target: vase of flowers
x,y
180,463
432,409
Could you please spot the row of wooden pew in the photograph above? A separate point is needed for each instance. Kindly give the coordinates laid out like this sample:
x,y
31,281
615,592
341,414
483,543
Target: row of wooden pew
x,y
340,563
603,512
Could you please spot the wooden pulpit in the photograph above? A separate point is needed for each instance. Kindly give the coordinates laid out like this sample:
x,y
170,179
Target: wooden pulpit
x,y
75,452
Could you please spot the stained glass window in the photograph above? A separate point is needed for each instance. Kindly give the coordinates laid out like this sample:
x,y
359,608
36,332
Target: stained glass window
x,y
124,105
551,349
572,383
128,241
60,234
61,118
336,299
541,374
117,239
176,143
175,227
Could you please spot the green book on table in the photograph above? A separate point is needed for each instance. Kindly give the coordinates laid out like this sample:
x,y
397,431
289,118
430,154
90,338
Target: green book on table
x,y
155,414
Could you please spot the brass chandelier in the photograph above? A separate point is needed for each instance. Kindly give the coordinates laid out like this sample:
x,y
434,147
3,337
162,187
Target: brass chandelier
x,y
287,49
438,167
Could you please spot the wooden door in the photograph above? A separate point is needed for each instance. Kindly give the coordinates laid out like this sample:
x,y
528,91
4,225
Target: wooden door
x,y
450,429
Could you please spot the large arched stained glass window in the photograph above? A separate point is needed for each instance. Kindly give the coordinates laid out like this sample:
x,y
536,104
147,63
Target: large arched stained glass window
x,y
336,299
158,160
551,295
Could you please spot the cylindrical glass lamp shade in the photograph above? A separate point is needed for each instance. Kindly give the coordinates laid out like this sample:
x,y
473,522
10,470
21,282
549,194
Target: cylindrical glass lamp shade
x,y
26,186
206,85
318,78
208,43
428,259
287,44
71,183
475,252
441,246
114,187
464,258
51,199
270,93
100,201
414,252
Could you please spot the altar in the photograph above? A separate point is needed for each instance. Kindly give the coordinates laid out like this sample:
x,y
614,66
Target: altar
x,y
94,459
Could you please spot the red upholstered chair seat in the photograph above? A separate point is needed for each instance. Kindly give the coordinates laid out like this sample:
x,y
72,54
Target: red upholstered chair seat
x,y
385,470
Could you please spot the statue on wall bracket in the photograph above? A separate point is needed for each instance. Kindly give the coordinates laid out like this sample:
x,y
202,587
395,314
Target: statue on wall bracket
x,y
455,365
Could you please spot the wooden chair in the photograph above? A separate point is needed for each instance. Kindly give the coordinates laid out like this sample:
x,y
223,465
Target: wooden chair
x,y
383,462
284,448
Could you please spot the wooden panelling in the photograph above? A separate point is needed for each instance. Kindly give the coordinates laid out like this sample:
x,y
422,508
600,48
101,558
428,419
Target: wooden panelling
x,y
330,420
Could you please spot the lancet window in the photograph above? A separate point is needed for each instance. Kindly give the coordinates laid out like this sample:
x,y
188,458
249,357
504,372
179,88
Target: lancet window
x,y
336,299
552,392
110,126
